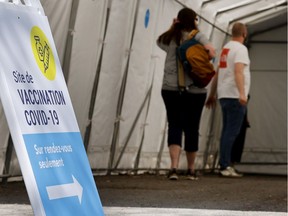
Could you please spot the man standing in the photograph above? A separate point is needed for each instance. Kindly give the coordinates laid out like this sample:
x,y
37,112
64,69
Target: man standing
x,y
233,83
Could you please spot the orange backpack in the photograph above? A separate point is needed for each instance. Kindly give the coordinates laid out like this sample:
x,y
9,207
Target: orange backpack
x,y
194,60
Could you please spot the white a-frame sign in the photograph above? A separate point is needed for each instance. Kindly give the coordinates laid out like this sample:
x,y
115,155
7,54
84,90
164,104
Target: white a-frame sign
x,y
41,119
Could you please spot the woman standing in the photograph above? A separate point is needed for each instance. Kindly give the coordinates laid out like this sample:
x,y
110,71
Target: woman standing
x,y
183,108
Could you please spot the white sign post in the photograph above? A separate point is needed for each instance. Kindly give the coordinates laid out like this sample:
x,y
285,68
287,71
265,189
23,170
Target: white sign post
x,y
41,119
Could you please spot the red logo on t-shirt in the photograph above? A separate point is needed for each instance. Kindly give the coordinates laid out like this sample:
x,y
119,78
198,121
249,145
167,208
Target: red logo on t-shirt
x,y
223,58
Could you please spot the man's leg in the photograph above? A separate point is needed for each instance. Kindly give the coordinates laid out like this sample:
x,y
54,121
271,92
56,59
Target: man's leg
x,y
233,114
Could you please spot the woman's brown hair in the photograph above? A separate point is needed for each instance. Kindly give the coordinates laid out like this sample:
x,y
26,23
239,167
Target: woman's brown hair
x,y
185,21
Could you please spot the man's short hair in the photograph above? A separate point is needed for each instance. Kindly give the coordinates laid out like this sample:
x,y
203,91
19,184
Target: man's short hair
x,y
238,30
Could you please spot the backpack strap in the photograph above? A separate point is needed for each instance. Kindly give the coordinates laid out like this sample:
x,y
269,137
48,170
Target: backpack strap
x,y
181,76
193,33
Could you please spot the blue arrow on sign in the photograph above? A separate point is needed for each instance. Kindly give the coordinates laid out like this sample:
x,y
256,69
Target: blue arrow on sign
x,y
65,190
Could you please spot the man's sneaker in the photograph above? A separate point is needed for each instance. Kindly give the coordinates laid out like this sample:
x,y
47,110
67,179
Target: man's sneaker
x,y
230,172
172,175
191,175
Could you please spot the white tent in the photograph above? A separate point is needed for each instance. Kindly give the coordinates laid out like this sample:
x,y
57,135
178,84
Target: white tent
x,y
114,70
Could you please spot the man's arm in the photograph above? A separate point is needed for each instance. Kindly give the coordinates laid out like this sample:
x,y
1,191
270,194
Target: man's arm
x,y
239,79
211,100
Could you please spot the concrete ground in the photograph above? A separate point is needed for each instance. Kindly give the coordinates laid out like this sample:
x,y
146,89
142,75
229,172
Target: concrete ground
x,y
251,195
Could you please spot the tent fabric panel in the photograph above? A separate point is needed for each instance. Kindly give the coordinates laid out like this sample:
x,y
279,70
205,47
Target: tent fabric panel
x,y
209,12
137,92
245,11
58,13
155,134
113,67
266,140
14,167
266,20
273,36
277,63
267,113
139,80
86,49
209,136
4,134
194,4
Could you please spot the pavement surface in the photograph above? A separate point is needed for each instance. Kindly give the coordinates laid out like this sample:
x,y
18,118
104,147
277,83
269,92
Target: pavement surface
x,y
252,195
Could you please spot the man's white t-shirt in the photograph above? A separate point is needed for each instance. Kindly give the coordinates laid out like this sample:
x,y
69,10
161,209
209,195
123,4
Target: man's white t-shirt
x,y
233,52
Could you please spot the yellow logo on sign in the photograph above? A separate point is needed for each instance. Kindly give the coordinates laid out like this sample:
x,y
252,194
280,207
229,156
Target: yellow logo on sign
x,y
43,53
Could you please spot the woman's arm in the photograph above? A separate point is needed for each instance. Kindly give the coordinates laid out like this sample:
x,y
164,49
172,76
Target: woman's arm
x,y
206,43
211,50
